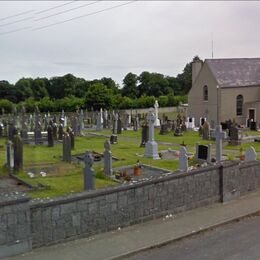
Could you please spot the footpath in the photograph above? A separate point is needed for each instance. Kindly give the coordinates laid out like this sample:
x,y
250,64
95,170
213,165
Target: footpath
x,y
127,241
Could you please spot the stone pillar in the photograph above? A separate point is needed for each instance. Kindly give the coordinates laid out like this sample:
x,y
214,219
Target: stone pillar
x,y
183,160
107,159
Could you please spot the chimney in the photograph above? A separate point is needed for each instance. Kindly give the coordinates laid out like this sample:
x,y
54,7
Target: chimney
x,y
196,67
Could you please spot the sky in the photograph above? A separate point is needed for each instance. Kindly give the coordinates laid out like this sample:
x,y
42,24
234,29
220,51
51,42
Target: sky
x,y
95,39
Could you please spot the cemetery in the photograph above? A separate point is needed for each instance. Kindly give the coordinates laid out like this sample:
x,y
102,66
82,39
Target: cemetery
x,y
95,171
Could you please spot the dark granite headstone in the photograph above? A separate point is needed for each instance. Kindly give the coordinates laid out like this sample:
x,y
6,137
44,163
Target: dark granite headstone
x,y
18,153
145,135
202,152
50,136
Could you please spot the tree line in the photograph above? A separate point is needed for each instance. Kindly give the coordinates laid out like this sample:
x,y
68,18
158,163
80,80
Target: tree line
x,y
69,92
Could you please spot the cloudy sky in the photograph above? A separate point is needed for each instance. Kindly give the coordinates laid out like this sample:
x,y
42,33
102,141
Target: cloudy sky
x,y
95,39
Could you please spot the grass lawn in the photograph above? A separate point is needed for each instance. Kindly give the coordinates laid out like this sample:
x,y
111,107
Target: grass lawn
x,y
68,178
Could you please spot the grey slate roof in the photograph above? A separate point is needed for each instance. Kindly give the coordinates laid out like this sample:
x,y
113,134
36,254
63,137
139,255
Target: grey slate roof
x,y
236,72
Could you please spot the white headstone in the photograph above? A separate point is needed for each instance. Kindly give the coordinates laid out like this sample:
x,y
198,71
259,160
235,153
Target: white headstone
x,y
250,154
157,121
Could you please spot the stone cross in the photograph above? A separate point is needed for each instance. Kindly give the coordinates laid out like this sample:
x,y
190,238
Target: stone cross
x,y
250,154
219,135
107,159
89,175
151,147
157,121
183,160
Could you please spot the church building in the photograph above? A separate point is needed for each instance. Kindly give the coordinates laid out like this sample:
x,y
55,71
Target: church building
x,y
225,89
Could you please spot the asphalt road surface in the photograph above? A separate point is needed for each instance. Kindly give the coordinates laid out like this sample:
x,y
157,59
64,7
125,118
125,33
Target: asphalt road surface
x,y
239,240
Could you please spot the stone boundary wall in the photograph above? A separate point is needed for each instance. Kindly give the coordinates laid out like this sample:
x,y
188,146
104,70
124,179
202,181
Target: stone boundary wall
x,y
15,225
88,213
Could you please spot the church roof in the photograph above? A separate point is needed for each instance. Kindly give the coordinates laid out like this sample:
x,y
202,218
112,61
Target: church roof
x,y
235,72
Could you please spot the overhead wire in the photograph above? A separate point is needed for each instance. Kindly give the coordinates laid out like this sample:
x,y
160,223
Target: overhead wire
x,y
55,7
60,22
82,16
66,11
15,15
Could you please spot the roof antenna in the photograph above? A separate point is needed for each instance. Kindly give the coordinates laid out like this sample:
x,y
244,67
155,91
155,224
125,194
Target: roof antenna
x,y
212,45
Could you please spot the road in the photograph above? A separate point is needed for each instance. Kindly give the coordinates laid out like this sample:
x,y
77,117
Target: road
x,y
239,240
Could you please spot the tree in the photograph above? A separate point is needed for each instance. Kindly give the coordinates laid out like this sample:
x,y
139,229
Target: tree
x,y
7,91
98,96
130,85
39,89
152,84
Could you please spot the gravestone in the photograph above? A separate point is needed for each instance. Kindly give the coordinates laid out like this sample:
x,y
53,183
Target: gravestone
x,y
66,148
99,122
60,132
219,135
1,130
157,121
253,126
250,154
72,138
10,155
115,120
151,147
136,123
18,153
145,134
107,159
89,175
205,131
54,131
75,125
113,139
164,129
183,160
203,153
119,125
50,136
235,137
178,132
38,133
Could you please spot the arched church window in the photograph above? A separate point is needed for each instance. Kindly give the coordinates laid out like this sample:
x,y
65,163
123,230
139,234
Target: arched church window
x,y
240,101
205,93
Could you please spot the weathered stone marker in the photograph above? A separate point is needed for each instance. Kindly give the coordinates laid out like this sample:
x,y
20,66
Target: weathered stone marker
x,y
219,135
183,159
50,136
89,175
66,148
107,159
18,153
10,155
